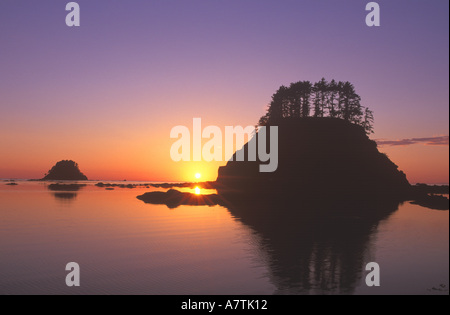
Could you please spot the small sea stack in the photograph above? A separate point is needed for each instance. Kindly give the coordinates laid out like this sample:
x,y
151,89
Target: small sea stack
x,y
65,170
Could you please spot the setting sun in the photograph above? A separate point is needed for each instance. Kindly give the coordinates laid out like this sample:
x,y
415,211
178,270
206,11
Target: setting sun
x,y
227,148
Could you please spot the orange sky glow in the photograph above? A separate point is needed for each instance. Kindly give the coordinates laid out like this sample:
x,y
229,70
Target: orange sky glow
x,y
125,157
107,94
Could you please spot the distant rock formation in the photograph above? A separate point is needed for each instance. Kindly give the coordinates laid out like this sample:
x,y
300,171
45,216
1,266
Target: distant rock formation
x,y
174,198
65,170
317,156
432,201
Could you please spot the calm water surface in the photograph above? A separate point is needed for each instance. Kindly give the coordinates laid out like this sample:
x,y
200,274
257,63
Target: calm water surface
x,y
124,246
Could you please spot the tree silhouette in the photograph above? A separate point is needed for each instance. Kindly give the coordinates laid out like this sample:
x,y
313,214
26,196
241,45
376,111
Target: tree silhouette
x,y
306,90
328,99
333,96
320,97
351,110
368,121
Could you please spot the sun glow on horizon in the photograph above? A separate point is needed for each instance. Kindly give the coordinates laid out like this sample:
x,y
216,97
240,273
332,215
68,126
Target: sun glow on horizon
x,y
197,190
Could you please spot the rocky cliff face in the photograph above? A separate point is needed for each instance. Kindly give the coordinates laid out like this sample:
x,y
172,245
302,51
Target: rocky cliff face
x,y
318,155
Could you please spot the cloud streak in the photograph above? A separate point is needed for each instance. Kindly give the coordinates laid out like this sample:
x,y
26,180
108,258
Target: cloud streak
x,y
440,141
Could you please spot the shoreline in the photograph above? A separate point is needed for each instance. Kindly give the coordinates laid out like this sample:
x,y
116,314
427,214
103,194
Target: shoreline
x,y
106,181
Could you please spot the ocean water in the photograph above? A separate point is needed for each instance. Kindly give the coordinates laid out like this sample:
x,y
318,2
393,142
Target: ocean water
x,y
124,246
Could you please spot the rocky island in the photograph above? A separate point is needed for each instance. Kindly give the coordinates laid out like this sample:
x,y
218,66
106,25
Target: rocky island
x,y
65,170
319,156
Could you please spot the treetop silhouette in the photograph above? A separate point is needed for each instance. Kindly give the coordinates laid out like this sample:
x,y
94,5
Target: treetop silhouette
x,y
322,99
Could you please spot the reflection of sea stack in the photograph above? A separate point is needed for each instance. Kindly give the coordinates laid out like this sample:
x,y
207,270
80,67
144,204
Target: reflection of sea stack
x,y
312,247
65,170
319,155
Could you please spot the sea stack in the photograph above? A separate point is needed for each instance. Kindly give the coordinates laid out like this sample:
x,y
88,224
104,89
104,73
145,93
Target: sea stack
x,y
65,170
325,156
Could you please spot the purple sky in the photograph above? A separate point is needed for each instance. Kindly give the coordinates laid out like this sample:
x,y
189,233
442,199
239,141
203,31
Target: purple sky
x,y
133,64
